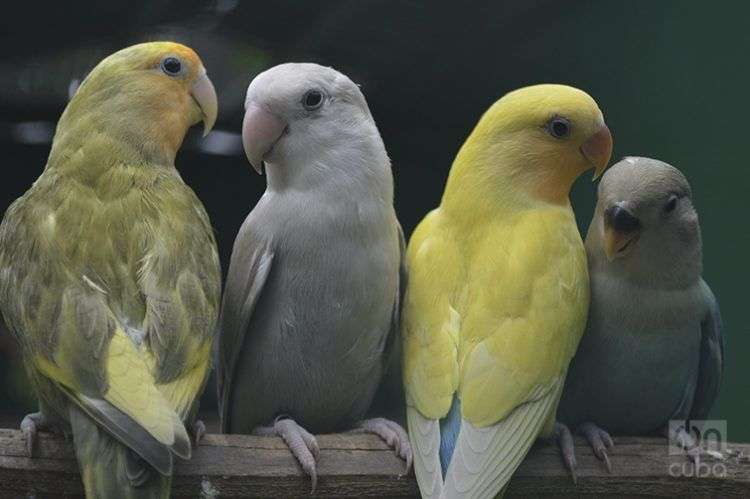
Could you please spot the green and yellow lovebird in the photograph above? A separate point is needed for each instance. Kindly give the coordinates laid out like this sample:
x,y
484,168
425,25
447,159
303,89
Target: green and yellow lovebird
x,y
498,291
109,273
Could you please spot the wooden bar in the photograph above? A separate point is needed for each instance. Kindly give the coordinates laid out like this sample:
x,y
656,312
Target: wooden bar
x,y
353,465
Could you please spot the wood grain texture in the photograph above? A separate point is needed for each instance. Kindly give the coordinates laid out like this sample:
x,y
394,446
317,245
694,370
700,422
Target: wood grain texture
x,y
363,466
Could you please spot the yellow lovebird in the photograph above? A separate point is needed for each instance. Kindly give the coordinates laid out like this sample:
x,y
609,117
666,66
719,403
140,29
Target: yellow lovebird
x,y
109,273
498,291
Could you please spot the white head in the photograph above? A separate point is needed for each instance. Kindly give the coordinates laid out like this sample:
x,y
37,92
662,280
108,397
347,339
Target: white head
x,y
645,226
309,124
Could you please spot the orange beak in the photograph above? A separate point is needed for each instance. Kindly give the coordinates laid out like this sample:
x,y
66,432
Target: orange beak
x,y
598,149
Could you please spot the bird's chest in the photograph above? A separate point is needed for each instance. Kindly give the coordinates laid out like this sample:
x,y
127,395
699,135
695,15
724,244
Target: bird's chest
x,y
334,280
641,356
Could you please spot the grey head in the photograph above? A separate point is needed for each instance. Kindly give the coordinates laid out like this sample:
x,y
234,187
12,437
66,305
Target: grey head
x,y
645,227
307,122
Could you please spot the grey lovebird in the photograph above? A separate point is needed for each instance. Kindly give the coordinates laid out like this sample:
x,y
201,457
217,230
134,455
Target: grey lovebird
x,y
653,348
310,312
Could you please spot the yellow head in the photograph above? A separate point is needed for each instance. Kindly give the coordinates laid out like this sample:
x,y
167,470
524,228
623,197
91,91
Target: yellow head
x,y
538,139
148,94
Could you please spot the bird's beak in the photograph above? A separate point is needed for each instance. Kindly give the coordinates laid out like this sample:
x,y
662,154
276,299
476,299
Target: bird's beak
x,y
621,231
204,94
261,129
598,149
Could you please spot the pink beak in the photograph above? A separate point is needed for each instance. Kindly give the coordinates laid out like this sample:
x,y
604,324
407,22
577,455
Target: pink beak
x,y
261,129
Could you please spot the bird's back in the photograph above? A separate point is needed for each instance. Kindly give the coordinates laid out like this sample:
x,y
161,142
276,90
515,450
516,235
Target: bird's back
x,y
74,233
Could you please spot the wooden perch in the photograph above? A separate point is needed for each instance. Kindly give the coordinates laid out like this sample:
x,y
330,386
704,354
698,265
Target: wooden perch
x,y
362,465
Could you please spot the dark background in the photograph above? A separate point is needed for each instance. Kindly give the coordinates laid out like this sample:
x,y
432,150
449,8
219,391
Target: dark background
x,y
671,78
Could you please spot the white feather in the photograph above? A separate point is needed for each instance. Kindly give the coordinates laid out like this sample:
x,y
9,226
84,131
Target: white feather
x,y
484,459
425,442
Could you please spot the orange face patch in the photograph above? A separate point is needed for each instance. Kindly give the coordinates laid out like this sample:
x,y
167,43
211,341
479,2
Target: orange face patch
x,y
157,51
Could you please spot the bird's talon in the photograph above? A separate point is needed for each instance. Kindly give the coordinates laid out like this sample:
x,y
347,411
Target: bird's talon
x,y
198,430
600,441
30,426
393,435
564,439
301,443
30,436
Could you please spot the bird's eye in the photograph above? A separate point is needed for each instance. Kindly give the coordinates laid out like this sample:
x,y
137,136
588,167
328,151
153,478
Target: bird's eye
x,y
171,66
559,127
312,99
671,204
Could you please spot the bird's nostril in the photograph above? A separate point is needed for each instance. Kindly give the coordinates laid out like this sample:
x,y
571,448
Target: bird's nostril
x,y
621,219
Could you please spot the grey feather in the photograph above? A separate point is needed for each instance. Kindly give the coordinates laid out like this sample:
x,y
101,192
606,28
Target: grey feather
x,y
711,358
390,398
249,268
311,299
123,428
109,469
653,348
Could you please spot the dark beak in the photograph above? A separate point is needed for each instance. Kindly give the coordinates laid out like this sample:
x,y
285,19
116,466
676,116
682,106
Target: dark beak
x,y
621,230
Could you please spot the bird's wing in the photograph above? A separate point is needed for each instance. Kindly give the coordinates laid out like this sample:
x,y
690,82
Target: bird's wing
x,y
60,311
424,434
248,270
521,326
711,358
389,398
485,458
180,280
429,327
392,347
130,406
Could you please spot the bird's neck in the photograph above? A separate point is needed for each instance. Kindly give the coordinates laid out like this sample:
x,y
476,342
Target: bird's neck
x,y
661,270
360,172
487,183
100,129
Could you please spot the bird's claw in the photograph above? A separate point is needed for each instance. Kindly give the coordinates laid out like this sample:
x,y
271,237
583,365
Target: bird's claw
x,y
30,427
687,443
301,443
197,431
564,439
599,440
393,434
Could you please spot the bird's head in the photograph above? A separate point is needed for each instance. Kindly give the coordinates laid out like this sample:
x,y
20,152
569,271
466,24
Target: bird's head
x,y
303,119
542,138
645,220
148,94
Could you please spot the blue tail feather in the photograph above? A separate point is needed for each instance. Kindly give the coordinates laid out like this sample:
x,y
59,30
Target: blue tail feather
x,y
450,426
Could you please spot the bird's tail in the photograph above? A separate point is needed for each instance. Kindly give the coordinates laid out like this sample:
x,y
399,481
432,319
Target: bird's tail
x,y
110,469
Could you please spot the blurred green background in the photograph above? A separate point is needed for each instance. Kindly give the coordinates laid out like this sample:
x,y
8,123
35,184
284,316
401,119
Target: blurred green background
x,y
671,78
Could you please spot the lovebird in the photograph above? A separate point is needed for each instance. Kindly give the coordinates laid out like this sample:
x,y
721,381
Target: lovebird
x,y
498,291
109,273
653,349
309,317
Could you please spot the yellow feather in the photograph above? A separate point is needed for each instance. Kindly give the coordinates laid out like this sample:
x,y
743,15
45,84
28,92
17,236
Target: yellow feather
x,y
498,282
181,392
498,288
520,304
429,321
131,387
